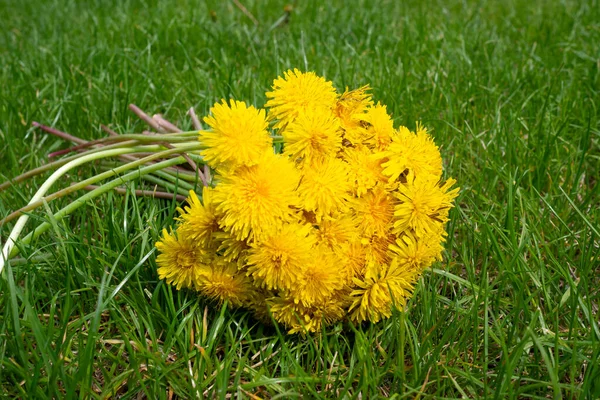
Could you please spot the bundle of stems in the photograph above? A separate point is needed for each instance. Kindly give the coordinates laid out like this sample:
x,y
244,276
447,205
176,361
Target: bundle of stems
x,y
165,156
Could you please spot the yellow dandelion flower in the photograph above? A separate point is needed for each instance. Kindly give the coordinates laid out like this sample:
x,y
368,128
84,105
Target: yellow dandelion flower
x,y
255,200
352,104
181,261
380,129
415,154
376,247
324,187
320,277
423,205
301,319
278,260
296,93
200,220
364,169
350,109
420,253
383,287
374,211
355,135
354,256
238,136
230,248
313,135
336,232
223,283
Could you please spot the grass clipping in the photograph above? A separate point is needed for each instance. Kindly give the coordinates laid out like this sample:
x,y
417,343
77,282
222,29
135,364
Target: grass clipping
x,y
336,219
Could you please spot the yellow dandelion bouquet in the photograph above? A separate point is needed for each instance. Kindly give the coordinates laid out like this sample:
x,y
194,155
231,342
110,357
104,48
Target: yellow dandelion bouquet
x,y
316,211
339,223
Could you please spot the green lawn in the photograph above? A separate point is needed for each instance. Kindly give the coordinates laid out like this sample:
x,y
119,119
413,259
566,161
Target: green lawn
x,y
510,90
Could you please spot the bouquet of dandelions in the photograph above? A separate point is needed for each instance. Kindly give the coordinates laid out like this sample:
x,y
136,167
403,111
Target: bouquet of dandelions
x,y
316,211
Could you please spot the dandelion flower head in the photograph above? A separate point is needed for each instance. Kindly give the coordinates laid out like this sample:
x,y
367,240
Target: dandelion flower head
x,y
222,282
296,93
423,205
382,288
324,187
200,219
277,261
182,261
238,135
313,136
380,127
256,199
415,153
319,278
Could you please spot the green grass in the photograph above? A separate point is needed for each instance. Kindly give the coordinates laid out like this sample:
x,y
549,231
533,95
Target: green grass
x,y
510,90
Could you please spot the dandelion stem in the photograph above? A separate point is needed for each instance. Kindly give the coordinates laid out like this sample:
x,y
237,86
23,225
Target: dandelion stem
x,y
191,163
108,130
111,172
144,193
146,118
60,134
16,231
181,173
173,187
59,163
195,120
175,179
150,138
166,124
13,251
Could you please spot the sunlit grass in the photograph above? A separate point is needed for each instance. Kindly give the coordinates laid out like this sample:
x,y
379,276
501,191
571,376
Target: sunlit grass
x,y
510,92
